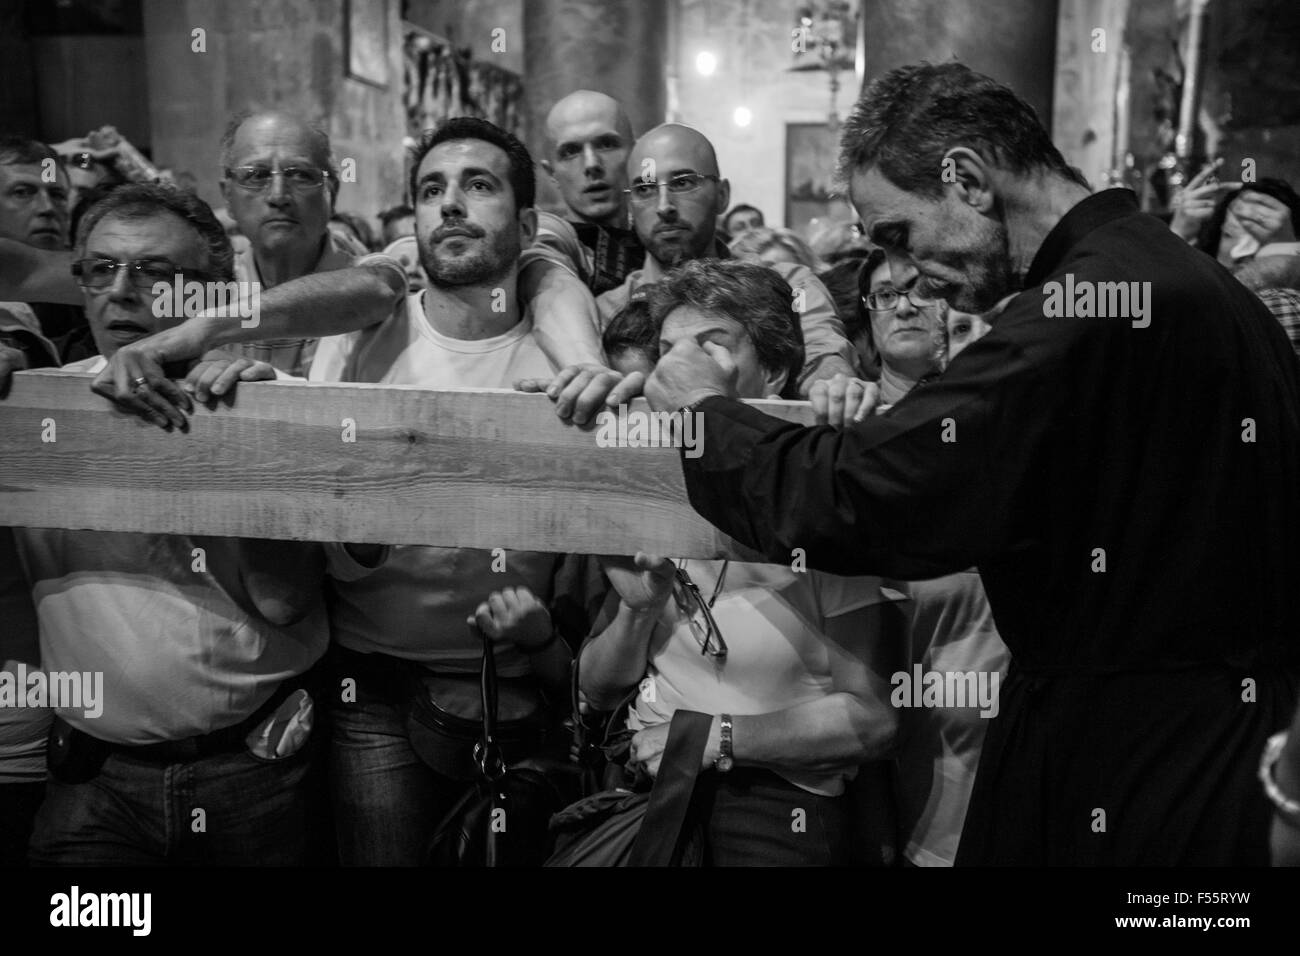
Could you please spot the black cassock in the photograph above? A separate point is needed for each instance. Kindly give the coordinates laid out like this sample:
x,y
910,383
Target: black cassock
x,y
1131,497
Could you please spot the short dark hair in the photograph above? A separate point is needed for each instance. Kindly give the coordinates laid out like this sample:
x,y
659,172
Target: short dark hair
x,y
143,200
906,121
632,328
753,296
86,200
523,178
395,212
22,151
1211,233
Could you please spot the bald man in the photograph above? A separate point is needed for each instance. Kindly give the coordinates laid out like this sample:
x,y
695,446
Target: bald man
x,y
677,196
588,136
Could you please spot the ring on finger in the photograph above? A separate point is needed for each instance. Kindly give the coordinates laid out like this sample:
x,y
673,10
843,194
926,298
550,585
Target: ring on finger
x,y
139,384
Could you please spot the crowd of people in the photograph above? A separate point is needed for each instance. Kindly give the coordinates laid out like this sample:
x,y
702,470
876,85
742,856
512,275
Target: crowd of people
x,y
271,684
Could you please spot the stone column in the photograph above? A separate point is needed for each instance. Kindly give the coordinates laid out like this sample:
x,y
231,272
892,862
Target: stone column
x,y
1010,40
618,47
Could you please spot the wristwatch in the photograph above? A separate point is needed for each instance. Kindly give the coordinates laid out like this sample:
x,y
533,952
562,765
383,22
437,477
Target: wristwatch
x,y
725,759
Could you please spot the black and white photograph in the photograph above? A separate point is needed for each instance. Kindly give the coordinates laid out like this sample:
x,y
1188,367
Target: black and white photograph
x,y
512,435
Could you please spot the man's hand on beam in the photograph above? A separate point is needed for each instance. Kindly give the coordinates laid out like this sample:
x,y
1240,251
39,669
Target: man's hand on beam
x,y
581,391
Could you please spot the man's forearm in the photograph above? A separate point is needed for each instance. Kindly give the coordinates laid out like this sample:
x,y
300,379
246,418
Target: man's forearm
x,y
28,274
314,306
821,735
565,317
616,659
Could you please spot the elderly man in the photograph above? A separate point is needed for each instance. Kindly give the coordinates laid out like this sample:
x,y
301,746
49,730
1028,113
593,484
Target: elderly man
x,y
200,747
280,184
677,196
1115,470
588,137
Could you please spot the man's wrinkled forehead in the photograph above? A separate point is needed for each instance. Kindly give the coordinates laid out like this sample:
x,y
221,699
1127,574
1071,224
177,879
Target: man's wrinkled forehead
x,y
267,137
161,234
30,172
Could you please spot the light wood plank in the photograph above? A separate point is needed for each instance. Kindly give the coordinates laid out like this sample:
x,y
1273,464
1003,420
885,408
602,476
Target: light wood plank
x,y
447,467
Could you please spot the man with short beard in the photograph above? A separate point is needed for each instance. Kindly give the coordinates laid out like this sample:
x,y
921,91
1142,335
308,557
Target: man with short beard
x,y
404,624
1125,483
675,209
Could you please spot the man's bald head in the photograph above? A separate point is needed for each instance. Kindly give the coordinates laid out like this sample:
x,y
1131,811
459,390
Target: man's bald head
x,y
588,135
677,220
672,141
583,106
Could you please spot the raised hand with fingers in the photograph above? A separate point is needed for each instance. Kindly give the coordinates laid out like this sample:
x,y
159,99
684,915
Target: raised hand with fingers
x,y
1195,204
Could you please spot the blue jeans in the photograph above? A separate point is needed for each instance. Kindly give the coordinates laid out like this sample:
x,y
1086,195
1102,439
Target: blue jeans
x,y
139,813
387,802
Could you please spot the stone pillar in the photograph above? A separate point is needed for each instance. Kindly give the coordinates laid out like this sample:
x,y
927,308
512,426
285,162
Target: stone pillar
x,y
618,47
1010,40
17,78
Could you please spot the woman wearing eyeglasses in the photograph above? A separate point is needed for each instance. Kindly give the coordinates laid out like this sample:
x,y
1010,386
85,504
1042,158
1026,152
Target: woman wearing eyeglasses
x,y
950,628
791,663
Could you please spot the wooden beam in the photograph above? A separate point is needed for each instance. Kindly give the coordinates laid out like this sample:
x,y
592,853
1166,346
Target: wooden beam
x,y
448,467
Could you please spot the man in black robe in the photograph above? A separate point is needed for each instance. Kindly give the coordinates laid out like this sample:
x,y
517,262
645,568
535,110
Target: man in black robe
x,y
1120,457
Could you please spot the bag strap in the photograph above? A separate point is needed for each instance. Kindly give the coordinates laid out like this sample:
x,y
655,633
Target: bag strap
x,y
487,754
660,842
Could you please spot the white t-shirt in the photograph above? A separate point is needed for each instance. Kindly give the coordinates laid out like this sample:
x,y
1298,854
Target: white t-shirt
x,y
415,604
180,651
773,620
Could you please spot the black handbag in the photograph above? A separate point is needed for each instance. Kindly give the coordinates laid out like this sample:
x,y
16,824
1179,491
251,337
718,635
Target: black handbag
x,y
626,828
502,818
444,718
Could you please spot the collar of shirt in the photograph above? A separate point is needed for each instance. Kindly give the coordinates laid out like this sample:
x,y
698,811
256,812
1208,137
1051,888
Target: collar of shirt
x,y
637,279
334,255
1097,210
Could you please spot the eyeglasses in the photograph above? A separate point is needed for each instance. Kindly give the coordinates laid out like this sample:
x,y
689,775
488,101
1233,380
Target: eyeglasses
x,y
100,274
698,614
887,301
298,178
648,191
